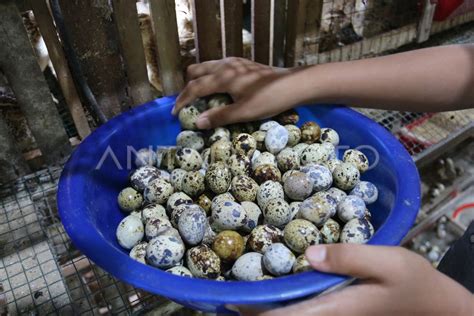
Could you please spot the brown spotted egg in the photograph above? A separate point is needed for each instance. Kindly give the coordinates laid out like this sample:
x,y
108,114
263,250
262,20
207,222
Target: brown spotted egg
x,y
156,226
169,158
190,139
244,188
239,164
332,164
129,199
189,114
259,137
177,176
228,245
130,231
278,259
328,135
330,231
294,209
357,158
316,209
193,183
337,195
299,234
298,186
140,178
310,132
165,251
177,199
266,172
138,252
357,231
221,150
218,177
248,267
245,144
158,191
205,202
219,133
268,191
188,159
264,158
178,210
288,159
317,154
209,234
294,135
181,271
263,236
152,211
220,198
300,148
277,213
203,262
229,215
253,215
287,174
287,117
346,176
301,264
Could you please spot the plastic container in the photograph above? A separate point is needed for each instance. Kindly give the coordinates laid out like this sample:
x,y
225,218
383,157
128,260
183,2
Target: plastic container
x,y
97,171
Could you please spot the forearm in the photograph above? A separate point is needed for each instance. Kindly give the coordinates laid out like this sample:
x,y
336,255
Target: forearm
x,y
427,80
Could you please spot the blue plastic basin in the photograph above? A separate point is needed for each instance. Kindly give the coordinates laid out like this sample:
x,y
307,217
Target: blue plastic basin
x,y
89,211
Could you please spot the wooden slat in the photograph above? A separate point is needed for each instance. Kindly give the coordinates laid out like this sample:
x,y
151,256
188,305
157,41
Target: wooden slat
x,y
231,27
279,31
163,14
12,163
21,68
296,17
93,36
207,30
261,16
56,54
313,18
125,13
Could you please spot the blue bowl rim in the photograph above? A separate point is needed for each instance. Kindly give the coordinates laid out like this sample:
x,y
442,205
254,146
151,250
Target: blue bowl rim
x,y
91,243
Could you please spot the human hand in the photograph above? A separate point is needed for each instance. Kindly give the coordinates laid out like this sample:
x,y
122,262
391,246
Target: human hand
x,y
255,89
393,281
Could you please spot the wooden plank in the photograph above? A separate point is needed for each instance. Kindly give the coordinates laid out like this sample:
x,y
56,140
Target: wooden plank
x,y
295,26
21,68
56,54
125,13
279,31
163,14
93,36
261,16
207,31
424,25
12,163
231,27
313,18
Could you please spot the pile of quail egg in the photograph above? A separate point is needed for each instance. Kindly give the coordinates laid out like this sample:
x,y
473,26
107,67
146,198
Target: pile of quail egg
x,y
243,202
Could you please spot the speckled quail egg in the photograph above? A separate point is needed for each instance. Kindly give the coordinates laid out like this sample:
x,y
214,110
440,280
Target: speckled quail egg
x,y
169,158
255,155
193,183
328,135
219,99
206,158
156,226
259,137
253,215
337,195
177,176
189,114
287,174
130,231
301,264
332,164
268,191
264,158
165,175
228,245
288,117
140,178
239,164
310,132
316,209
137,214
248,267
357,231
209,234
263,236
152,211
158,191
218,134
330,231
204,201
267,125
188,159
181,271
221,198
298,186
229,215
294,135
357,158
317,154
320,175
203,262
221,150
346,176
366,190
145,157
288,159
351,207
277,213
266,172
244,188
138,252
300,148
299,234
190,139
278,259
245,144
328,198
165,251
178,210
276,139
218,177
192,225
240,128
294,209
177,199
129,199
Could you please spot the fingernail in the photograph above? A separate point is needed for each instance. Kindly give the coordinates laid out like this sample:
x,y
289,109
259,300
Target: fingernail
x,y
203,122
316,254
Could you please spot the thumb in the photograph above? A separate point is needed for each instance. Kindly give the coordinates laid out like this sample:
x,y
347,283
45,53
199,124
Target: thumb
x,y
223,115
361,261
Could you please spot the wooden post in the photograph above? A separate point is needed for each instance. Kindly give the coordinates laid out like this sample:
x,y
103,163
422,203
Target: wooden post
x,y
94,38
296,17
21,68
231,27
207,35
426,20
261,25
12,163
125,13
56,53
278,34
163,14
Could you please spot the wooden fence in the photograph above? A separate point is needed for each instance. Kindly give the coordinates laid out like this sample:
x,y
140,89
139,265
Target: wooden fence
x,y
107,39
